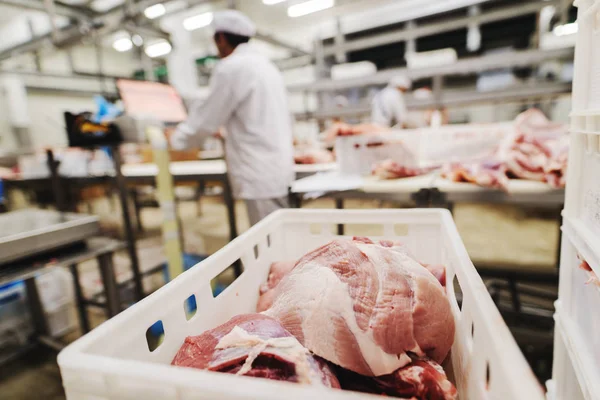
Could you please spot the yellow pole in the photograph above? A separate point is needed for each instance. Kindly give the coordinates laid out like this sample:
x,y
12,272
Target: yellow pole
x,y
166,199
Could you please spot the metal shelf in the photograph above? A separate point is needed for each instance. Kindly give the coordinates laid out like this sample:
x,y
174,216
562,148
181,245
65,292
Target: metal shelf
x,y
454,98
466,66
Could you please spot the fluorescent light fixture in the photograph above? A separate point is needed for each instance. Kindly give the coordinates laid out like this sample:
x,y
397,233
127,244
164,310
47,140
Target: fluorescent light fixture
x,y
122,44
155,11
158,49
137,40
271,2
105,5
309,7
198,21
566,29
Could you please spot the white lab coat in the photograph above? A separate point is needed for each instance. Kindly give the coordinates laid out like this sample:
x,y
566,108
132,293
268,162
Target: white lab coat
x,y
248,97
389,108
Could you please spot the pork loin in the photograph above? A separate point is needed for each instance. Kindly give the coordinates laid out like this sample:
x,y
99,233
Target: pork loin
x,y
364,305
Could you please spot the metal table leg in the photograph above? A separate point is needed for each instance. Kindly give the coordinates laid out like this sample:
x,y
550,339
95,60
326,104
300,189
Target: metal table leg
x,y
129,235
295,199
230,203
35,306
84,321
58,191
111,289
339,204
137,209
199,193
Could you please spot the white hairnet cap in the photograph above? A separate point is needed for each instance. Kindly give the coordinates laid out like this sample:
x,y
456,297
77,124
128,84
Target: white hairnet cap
x,y
401,81
233,21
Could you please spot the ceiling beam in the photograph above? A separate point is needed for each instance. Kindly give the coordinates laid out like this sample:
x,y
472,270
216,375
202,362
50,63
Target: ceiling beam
x,y
296,51
500,14
60,8
467,66
453,98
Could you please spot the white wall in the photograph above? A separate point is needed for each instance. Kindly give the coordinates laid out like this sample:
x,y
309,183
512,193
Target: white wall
x,y
47,123
46,108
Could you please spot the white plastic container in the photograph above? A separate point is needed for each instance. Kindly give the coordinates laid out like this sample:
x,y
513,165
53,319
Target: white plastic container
x,y
577,344
420,148
576,368
114,362
58,300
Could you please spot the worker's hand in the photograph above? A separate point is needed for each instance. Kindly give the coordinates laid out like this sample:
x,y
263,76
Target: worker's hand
x,y
169,132
178,138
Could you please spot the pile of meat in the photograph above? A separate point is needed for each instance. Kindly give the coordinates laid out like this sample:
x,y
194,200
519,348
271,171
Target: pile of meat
x,y
592,277
537,151
389,169
313,156
352,314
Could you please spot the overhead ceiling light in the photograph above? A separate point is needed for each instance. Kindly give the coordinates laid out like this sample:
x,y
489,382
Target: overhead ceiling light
x,y
309,7
271,2
122,44
105,5
198,21
566,29
155,11
158,49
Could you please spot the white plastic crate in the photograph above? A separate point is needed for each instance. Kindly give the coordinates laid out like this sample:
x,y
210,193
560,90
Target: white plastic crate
x,y
577,345
420,148
58,300
114,362
567,386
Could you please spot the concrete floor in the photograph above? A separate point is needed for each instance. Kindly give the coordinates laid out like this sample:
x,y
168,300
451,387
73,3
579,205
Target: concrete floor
x,y
493,235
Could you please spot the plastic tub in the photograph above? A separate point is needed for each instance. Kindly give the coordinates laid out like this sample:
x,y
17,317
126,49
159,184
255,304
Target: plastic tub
x,y
114,361
419,148
577,344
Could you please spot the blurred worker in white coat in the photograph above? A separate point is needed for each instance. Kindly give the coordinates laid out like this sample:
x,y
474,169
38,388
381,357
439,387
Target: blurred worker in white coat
x,y
388,107
248,98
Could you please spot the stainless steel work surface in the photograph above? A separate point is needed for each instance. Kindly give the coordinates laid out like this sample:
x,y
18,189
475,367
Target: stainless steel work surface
x,y
28,232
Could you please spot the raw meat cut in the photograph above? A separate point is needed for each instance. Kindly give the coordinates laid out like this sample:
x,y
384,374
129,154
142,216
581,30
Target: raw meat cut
x,y
421,379
592,277
533,122
314,156
267,290
538,151
364,306
280,269
343,129
389,169
490,174
439,271
254,345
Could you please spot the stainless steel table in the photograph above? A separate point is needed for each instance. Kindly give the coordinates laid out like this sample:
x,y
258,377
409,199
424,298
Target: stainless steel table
x,y
100,248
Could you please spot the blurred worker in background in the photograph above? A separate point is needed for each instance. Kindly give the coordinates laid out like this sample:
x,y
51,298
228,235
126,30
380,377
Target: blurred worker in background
x,y
432,117
248,97
388,107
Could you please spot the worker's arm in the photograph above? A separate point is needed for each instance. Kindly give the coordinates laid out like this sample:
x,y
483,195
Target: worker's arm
x,y
205,118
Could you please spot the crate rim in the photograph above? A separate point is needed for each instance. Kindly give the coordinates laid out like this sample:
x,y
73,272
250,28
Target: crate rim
x,y
513,362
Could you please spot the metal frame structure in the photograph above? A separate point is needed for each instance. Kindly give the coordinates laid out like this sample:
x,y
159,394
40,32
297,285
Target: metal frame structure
x,y
102,249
